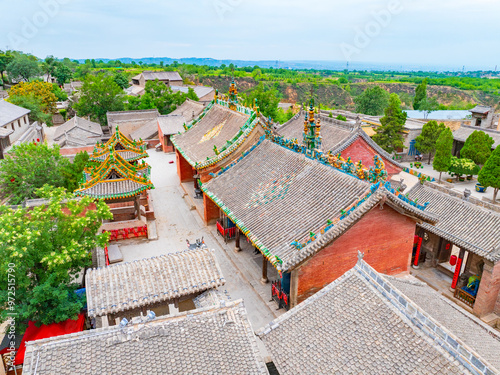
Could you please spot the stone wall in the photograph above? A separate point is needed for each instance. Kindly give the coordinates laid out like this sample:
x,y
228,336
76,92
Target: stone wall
x,y
383,235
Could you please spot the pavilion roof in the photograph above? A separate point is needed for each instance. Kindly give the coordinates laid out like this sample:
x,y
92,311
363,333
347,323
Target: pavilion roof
x,y
291,205
115,178
129,150
215,134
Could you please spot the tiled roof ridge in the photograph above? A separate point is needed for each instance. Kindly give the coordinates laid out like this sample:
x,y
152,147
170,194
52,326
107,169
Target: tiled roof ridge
x,y
492,332
486,130
236,305
424,322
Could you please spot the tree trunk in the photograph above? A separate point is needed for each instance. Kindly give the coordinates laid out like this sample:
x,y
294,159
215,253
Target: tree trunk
x,y
440,177
495,191
430,156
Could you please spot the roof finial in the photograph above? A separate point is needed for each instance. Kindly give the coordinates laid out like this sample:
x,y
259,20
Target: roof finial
x,y
233,96
312,137
360,256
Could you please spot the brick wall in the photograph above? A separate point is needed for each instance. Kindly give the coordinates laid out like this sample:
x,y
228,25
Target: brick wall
x,y
487,300
360,150
211,210
384,236
184,169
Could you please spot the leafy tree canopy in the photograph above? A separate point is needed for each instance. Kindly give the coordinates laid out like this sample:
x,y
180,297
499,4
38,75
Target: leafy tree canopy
x,y
420,94
62,73
5,59
35,106
158,95
42,91
23,68
372,101
477,147
490,173
426,141
267,100
121,80
463,166
48,247
444,145
389,135
99,95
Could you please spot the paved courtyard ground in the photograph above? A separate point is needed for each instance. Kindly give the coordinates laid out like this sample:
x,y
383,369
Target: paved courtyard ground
x,y
176,222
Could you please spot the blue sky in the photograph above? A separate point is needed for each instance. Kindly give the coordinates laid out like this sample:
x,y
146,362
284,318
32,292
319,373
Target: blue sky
x,y
444,32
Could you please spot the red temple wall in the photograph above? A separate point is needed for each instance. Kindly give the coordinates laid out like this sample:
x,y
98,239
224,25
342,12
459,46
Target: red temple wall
x,y
184,169
384,236
360,150
211,210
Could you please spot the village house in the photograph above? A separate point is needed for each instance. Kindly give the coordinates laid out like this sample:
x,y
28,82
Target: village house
x,y
15,127
205,94
78,132
212,340
369,323
168,78
167,284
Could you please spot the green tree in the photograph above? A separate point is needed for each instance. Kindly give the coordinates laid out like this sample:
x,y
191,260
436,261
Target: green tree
x,y
463,166
158,95
36,107
477,147
60,94
99,95
389,135
444,145
340,117
192,94
121,80
267,100
426,141
49,66
28,167
372,101
47,247
62,73
490,173
5,59
72,172
23,67
420,94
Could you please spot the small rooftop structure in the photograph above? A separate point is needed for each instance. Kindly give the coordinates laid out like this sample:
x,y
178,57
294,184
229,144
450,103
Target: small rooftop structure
x,y
363,323
207,341
10,112
171,124
131,121
167,77
204,93
126,286
190,110
462,133
78,132
119,143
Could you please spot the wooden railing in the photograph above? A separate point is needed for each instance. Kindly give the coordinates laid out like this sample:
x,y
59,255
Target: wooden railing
x,y
465,297
124,233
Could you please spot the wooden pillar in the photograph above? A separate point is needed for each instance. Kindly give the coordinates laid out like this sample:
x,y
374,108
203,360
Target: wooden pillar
x,y
264,279
458,268
417,253
237,240
137,206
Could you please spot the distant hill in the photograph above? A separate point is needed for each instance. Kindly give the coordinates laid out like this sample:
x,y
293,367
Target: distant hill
x,y
287,64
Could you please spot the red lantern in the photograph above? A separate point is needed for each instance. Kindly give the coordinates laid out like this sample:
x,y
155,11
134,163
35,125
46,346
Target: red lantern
x,y
38,139
453,260
12,179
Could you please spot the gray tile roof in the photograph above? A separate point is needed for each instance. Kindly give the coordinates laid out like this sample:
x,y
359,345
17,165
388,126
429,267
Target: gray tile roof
x,y
463,132
211,298
10,112
336,136
200,91
278,196
217,127
149,130
171,124
78,130
480,337
333,134
151,76
481,109
463,223
131,121
199,342
190,109
358,325
126,286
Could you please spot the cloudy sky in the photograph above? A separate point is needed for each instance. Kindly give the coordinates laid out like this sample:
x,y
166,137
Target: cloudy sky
x,y
438,32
